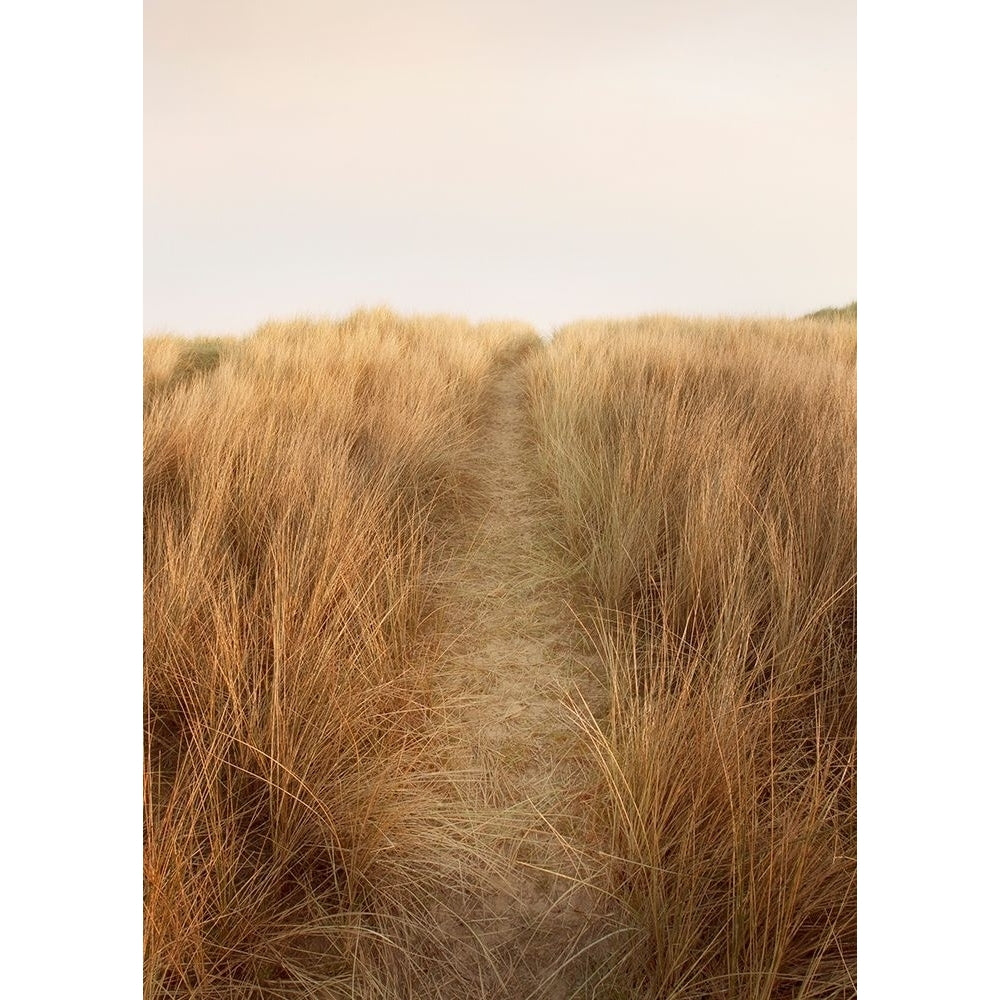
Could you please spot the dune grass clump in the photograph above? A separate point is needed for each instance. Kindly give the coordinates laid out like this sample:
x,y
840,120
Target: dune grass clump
x,y
847,313
298,487
704,478
171,361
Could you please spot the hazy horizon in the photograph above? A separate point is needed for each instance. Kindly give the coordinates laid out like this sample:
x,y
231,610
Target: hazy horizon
x,y
536,162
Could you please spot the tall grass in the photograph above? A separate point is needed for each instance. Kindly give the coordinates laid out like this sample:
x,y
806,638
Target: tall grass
x,y
298,491
304,488
705,482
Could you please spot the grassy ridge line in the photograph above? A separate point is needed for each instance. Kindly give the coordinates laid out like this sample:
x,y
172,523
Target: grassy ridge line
x,y
298,486
705,476
848,312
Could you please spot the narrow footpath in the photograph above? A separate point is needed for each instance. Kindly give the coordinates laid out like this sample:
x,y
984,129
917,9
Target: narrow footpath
x,y
517,668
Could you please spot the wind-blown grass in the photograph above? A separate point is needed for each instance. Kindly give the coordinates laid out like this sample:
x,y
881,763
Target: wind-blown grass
x,y
298,488
704,475
305,490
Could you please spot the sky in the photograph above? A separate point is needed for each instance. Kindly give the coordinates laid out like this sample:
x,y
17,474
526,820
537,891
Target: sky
x,y
542,161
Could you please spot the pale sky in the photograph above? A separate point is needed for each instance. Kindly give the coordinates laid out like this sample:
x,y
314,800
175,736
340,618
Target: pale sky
x,y
530,159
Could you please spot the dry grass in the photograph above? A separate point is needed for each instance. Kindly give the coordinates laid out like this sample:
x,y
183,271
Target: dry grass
x,y
305,491
704,474
298,488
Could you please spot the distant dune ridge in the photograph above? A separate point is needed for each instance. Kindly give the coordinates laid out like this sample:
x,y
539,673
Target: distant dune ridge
x,y
482,665
848,312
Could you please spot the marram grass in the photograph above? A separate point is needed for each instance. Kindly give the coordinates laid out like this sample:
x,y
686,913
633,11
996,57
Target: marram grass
x,y
305,490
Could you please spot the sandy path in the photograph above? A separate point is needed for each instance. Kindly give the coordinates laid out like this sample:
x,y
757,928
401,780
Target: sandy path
x,y
517,663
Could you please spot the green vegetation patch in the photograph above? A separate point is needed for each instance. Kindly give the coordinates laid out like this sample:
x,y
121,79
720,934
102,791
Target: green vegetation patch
x,y
850,311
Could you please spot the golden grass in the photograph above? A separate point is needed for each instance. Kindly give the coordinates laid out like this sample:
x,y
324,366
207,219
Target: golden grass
x,y
704,474
297,495
304,488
